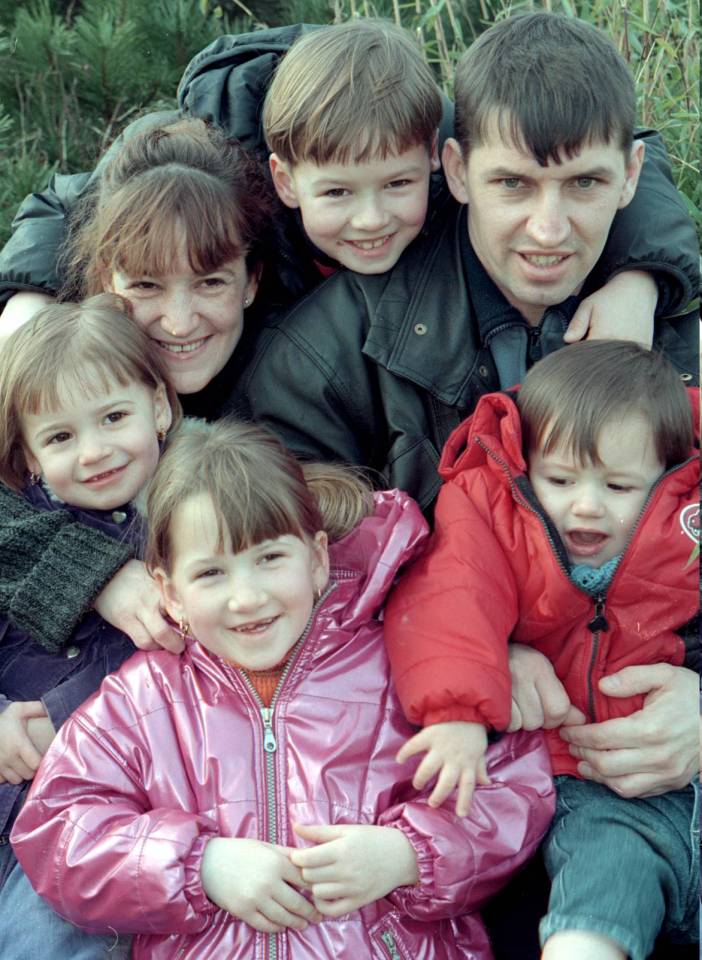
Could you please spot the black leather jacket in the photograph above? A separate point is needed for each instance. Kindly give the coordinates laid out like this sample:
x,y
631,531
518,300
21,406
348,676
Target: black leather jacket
x,y
378,370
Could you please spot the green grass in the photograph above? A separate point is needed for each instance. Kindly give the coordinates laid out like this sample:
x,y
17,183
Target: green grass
x,y
73,74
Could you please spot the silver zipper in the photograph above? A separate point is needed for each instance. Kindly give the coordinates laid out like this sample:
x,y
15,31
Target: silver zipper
x,y
270,744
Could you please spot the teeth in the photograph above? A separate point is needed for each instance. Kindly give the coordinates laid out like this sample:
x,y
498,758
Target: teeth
x,y
543,261
254,627
181,347
369,244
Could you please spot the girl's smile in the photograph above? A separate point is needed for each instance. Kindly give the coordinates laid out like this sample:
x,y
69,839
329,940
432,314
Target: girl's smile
x,y
251,607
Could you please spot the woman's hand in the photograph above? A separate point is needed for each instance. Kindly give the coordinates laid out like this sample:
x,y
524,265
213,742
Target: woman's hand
x,y
353,864
131,601
255,881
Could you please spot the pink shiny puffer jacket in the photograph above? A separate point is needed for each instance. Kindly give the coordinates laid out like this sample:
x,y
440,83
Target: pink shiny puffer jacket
x,y
173,751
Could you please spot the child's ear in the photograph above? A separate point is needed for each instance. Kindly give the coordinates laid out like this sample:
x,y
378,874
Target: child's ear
x,y
283,181
434,153
455,169
33,464
163,415
169,597
321,550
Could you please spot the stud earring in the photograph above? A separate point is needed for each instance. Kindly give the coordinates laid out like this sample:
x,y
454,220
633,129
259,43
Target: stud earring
x,y
247,302
161,435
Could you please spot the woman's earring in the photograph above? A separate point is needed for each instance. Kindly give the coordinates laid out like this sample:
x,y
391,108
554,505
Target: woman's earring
x,y
161,435
247,302
183,627
34,478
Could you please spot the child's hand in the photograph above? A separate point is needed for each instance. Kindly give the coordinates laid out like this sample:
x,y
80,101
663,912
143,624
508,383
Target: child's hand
x,y
456,751
19,757
255,882
131,601
620,310
539,699
353,864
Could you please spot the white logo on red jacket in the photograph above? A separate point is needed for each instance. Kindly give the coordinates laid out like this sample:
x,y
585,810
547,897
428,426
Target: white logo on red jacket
x,y
690,521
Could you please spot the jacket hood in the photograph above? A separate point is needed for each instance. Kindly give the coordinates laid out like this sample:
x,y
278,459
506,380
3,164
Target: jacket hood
x,y
494,425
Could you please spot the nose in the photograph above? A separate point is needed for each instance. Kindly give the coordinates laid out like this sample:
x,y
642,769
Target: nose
x,y
245,594
179,317
548,224
369,213
587,502
93,448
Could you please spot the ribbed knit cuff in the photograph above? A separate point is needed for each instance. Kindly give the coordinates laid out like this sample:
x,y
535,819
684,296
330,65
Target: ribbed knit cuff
x,y
61,587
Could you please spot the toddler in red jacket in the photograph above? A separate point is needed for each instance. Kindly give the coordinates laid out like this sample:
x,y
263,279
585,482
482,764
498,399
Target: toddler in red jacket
x,y
568,522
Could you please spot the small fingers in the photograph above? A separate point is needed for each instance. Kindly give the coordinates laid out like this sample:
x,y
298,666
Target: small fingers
x,y
445,785
336,908
465,795
12,776
428,768
412,747
515,720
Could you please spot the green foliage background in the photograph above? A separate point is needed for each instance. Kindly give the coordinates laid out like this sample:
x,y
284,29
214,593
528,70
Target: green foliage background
x,y
72,73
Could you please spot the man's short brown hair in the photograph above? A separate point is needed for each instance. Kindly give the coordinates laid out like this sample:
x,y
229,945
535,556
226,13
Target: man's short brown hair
x,y
551,83
350,92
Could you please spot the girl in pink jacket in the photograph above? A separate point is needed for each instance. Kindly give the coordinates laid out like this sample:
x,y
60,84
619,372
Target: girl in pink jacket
x,y
244,800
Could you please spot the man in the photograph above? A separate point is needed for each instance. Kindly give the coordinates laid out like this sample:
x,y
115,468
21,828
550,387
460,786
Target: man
x,y
379,370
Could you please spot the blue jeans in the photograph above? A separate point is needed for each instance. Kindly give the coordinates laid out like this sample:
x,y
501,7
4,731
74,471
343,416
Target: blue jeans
x,y
626,869
30,930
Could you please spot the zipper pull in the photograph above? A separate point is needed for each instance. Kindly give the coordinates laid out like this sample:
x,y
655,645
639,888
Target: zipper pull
x,y
269,744
599,621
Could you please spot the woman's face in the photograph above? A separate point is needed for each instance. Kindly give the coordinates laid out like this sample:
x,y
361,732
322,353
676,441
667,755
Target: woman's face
x,y
196,319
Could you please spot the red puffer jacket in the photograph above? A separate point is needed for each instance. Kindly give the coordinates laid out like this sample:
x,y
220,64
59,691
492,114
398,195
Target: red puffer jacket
x,y
494,572
176,750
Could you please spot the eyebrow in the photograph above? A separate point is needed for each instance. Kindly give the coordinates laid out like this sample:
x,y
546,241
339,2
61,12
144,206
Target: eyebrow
x,y
506,173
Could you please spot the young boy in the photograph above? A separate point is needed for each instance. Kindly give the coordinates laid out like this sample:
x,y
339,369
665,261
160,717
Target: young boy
x,y
568,523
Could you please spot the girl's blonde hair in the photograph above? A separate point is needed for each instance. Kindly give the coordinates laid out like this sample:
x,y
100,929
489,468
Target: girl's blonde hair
x,y
179,181
569,396
260,491
87,346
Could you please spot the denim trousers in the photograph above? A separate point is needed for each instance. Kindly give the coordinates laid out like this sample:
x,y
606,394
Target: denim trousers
x,y
624,868
30,930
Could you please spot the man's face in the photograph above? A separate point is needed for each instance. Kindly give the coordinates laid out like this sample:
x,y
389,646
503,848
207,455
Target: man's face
x,y
539,231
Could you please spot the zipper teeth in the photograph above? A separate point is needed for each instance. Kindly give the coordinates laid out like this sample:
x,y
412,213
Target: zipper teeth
x,y
272,827
516,493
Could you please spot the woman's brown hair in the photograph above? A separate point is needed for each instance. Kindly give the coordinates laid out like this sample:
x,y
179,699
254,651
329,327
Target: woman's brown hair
x,y
260,491
180,183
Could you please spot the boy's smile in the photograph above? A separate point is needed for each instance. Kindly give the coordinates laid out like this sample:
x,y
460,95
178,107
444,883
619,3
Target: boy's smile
x,y
595,506
363,215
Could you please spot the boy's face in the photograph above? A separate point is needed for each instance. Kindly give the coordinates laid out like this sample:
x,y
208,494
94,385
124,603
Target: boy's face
x,y
595,507
539,231
363,215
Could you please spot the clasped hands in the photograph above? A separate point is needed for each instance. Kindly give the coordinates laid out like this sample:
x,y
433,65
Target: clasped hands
x,y
349,866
